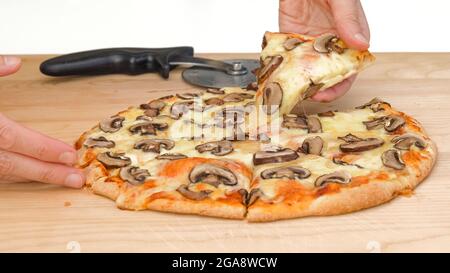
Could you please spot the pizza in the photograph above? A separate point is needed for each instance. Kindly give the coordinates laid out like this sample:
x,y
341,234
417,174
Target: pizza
x,y
221,153
295,67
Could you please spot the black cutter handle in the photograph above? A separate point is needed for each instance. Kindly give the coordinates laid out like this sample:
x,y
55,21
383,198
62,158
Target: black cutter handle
x,y
131,61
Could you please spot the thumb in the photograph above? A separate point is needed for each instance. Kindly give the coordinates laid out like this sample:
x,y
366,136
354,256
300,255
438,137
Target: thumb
x,y
351,23
9,65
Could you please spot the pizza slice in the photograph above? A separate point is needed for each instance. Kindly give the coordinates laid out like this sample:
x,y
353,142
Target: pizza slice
x,y
294,67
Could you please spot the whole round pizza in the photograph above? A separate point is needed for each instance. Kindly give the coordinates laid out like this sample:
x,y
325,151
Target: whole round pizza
x,y
239,153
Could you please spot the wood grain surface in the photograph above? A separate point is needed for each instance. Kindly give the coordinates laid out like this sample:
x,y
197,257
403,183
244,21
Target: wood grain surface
x,y
37,217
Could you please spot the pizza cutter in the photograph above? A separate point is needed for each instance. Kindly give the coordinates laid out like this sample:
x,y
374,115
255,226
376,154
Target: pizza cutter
x,y
134,61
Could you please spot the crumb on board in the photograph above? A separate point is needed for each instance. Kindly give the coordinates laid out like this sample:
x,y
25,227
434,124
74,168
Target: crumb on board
x,y
67,204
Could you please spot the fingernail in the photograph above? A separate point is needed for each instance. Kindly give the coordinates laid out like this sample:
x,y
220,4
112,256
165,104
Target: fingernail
x,y
11,60
68,158
361,38
74,181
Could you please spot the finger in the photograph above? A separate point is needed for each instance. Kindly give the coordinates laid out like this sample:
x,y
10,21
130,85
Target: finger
x,y
9,65
12,164
12,179
351,23
18,139
335,91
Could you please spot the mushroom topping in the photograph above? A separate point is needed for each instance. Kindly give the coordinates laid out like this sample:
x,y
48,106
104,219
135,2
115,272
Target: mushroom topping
x,y
404,142
148,128
213,175
111,160
253,86
312,90
100,142
314,125
390,123
215,91
171,156
374,105
392,158
326,114
312,145
112,124
264,41
339,161
375,123
272,64
237,97
393,123
187,96
214,101
292,43
294,121
180,108
327,43
249,198
194,195
154,104
275,156
341,177
362,145
218,148
151,112
350,138
291,172
134,175
154,145
272,97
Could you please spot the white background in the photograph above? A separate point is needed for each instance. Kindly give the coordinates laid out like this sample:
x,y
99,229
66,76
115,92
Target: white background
x,y
61,26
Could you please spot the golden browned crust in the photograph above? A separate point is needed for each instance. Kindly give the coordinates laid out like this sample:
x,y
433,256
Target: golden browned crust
x,y
347,200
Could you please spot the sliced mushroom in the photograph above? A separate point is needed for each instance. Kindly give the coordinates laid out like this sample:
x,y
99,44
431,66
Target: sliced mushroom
x,y
360,146
218,148
326,114
312,90
188,96
112,124
154,145
292,43
272,97
392,158
341,177
249,198
350,138
375,123
213,175
148,127
282,155
171,156
111,160
253,86
154,104
215,91
264,41
134,175
151,112
405,141
214,101
312,145
272,64
100,142
180,108
393,123
291,172
291,121
374,104
194,195
314,125
327,43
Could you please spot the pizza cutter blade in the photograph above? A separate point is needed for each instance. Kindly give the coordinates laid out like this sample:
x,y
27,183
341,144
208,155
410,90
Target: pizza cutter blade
x,y
218,78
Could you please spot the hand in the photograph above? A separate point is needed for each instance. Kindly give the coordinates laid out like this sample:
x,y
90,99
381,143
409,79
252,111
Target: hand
x,y
313,17
29,155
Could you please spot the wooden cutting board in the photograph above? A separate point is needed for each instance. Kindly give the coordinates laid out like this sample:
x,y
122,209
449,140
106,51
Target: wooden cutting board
x,y
37,217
